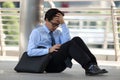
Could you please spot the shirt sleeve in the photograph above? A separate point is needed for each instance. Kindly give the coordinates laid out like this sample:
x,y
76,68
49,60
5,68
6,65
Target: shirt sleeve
x,y
65,35
32,45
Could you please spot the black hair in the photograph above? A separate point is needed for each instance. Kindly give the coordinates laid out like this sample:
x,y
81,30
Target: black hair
x,y
51,13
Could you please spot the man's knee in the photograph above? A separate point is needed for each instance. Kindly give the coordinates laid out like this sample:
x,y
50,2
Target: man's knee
x,y
76,38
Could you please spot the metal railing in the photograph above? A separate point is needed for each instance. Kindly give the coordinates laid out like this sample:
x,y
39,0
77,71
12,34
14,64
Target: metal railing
x,y
83,21
9,28
115,15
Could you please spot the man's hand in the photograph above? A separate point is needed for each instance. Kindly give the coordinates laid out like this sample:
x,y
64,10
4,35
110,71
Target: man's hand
x,y
54,48
60,17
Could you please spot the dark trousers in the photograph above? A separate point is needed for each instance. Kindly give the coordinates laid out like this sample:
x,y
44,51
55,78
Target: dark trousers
x,y
75,49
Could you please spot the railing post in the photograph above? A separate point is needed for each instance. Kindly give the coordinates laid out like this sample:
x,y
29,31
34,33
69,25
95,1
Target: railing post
x,y
29,17
2,41
115,35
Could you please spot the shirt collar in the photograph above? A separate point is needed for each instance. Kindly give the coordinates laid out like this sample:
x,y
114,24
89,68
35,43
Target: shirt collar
x,y
46,28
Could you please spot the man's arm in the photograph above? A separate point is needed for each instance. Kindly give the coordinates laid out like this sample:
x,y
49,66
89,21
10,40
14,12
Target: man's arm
x,y
33,49
65,35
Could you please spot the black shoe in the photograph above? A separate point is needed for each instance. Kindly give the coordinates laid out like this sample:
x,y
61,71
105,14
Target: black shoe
x,y
102,70
93,70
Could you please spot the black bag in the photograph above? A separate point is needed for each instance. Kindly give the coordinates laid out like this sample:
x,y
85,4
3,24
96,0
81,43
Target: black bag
x,y
32,64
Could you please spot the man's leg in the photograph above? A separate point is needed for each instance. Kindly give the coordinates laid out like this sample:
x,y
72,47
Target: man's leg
x,y
57,63
84,47
73,50
78,54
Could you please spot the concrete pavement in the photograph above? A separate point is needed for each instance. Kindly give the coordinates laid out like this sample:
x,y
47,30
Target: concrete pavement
x,y
76,73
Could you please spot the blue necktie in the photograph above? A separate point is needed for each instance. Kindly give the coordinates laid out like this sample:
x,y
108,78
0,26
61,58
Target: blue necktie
x,y
52,38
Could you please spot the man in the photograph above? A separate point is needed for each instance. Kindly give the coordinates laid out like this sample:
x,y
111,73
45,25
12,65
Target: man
x,y
53,38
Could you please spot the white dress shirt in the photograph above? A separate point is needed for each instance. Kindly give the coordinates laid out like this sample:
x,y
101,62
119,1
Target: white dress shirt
x,y
40,37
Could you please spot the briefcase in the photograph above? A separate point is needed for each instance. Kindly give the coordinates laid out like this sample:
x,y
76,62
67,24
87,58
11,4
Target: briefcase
x,y
35,64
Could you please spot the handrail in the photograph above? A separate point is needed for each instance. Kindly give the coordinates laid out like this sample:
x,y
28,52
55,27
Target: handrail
x,y
115,32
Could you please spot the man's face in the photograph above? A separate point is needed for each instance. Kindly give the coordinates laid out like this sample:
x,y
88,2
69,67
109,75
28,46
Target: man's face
x,y
55,21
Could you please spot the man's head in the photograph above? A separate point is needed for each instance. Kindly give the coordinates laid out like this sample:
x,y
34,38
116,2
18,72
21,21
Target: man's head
x,y
53,18
51,13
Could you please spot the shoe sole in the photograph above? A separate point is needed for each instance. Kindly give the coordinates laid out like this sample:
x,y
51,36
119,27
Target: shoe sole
x,y
89,74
